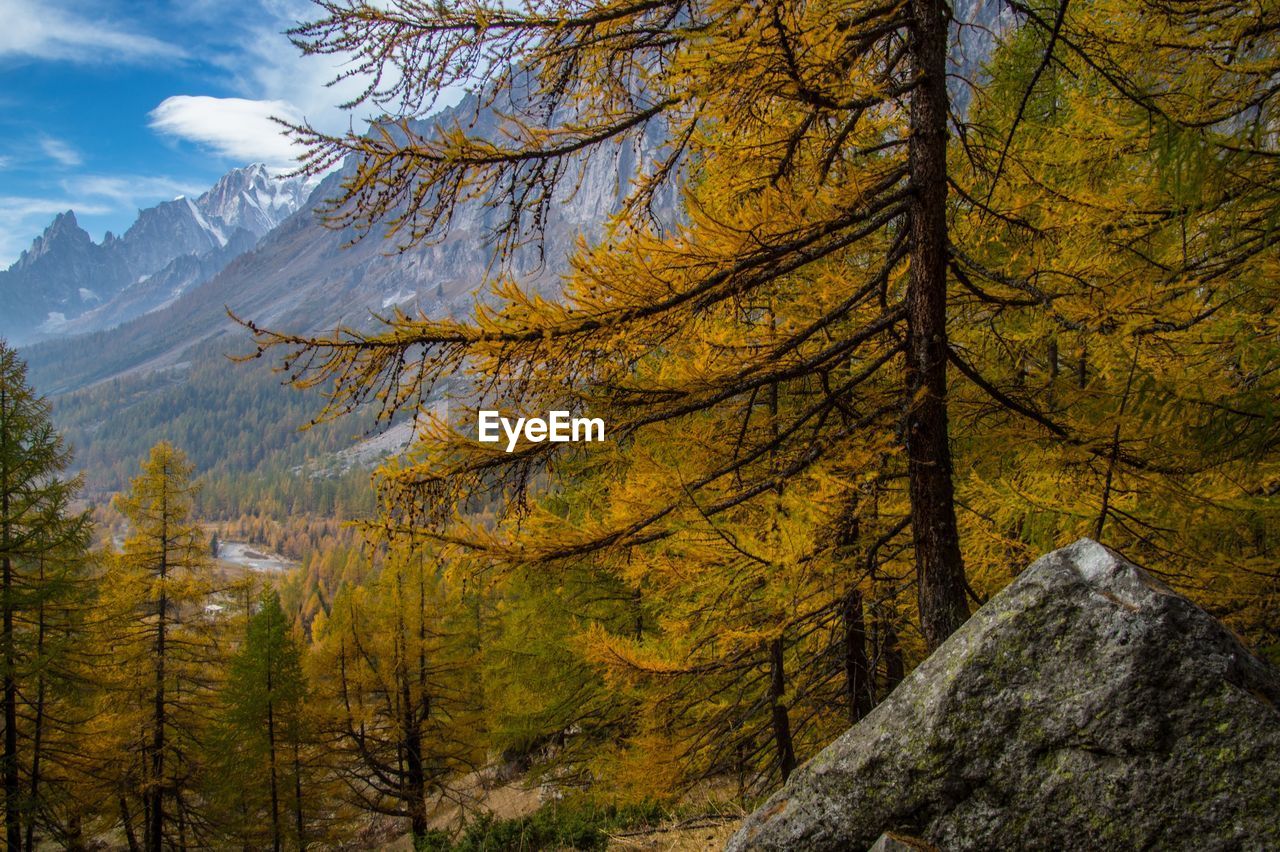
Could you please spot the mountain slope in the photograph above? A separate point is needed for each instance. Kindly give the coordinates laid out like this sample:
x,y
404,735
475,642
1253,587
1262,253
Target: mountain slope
x,y
301,276
163,373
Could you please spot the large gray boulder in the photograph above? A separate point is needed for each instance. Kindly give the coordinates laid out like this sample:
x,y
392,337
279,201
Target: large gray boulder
x,y
1086,706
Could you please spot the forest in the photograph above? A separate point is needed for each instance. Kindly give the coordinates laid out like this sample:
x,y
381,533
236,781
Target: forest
x,y
917,323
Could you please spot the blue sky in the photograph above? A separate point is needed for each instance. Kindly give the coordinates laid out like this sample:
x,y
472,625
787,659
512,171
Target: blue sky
x,y
107,107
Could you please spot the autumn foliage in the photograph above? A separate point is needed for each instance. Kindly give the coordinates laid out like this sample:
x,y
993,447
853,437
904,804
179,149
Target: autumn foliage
x,y
870,330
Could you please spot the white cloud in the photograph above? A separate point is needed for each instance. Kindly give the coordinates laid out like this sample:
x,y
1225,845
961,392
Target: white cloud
x,y
273,78
269,66
239,128
61,152
273,68
41,30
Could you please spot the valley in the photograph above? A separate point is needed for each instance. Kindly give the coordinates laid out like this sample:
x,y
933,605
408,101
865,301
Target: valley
x,y
603,426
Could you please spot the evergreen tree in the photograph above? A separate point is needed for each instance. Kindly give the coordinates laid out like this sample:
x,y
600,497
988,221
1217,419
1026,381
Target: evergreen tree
x,y
259,745
41,552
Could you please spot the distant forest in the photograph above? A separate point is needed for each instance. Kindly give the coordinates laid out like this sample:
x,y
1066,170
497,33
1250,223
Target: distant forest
x,y
240,424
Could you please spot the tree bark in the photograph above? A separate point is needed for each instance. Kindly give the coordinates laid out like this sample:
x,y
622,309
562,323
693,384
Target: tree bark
x,y
271,744
155,791
297,796
127,821
894,670
857,669
781,722
37,739
939,566
12,820
12,811
181,810
415,777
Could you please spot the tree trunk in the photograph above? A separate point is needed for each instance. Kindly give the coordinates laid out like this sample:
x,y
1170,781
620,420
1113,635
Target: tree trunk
x,y
417,792
12,821
857,669
939,567
781,723
415,774
181,810
146,796
894,670
271,744
155,791
297,796
127,821
414,779
37,739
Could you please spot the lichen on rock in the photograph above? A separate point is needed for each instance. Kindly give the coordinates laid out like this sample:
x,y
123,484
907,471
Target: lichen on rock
x,y
1086,706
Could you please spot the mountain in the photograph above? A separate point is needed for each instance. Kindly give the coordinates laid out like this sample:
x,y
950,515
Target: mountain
x,y
302,276
306,276
250,198
162,371
66,283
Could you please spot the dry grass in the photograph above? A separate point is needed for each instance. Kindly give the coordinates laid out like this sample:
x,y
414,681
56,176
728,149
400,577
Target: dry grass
x,y
683,836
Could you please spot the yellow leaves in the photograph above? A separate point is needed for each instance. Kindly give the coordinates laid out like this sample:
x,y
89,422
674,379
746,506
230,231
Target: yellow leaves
x,y
648,767
1113,294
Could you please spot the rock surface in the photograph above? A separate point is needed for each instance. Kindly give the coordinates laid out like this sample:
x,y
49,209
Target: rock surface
x,y
1087,706
900,843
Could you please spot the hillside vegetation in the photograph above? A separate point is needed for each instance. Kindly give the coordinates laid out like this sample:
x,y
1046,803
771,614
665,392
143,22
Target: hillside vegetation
x,y
898,344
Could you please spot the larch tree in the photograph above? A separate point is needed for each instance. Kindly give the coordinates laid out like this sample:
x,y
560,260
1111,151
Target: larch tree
x,y
819,129
1116,337
42,542
808,134
162,636
1088,248
400,703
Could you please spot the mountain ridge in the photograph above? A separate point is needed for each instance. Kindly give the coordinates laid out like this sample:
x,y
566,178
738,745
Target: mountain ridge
x,y
65,283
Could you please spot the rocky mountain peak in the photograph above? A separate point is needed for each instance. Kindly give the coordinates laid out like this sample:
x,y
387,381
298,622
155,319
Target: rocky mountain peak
x,y
65,276
64,232
253,199
64,221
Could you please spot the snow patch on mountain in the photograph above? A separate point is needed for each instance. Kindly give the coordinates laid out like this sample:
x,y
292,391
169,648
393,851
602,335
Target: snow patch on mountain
x,y
253,199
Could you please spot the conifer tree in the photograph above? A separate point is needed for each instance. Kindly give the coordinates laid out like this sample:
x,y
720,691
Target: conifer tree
x,y
799,132
41,553
1105,201
1116,335
162,635
810,134
264,734
400,699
